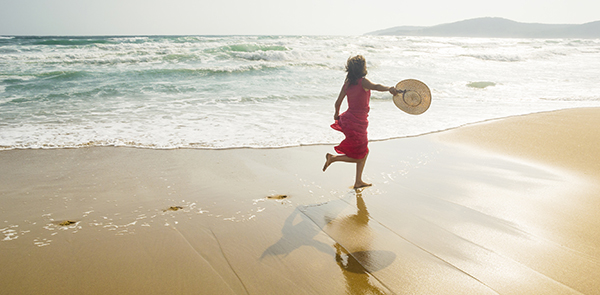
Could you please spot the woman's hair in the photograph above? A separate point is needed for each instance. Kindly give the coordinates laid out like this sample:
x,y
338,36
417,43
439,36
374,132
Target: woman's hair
x,y
356,68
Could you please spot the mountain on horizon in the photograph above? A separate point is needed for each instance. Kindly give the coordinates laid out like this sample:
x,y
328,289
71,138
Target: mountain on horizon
x,y
496,27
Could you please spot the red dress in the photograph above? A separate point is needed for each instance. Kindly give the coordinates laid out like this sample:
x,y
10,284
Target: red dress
x,y
353,122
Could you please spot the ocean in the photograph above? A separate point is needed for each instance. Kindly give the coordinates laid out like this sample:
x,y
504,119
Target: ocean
x,y
214,92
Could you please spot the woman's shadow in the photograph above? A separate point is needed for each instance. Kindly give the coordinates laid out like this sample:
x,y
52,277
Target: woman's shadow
x,y
295,235
351,248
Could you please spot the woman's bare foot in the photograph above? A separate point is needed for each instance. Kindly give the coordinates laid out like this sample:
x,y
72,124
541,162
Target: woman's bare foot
x,y
328,161
361,185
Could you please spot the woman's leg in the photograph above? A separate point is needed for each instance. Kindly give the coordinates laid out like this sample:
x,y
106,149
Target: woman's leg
x,y
328,161
360,165
329,158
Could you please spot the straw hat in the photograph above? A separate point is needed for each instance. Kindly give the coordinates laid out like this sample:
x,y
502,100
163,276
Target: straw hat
x,y
413,96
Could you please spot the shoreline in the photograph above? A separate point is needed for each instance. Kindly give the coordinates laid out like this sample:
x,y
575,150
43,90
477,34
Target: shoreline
x,y
450,212
89,145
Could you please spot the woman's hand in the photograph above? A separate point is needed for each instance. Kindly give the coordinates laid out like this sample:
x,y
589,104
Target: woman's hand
x,y
336,117
393,90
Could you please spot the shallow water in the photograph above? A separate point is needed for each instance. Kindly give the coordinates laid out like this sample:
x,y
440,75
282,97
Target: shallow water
x,y
270,91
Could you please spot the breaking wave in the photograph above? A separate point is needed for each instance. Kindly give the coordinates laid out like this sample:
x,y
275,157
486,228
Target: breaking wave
x,y
268,91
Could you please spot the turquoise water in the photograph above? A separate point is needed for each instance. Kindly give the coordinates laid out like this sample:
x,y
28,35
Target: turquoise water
x,y
269,91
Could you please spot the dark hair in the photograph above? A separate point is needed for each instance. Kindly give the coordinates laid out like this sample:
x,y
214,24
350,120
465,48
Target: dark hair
x,y
356,67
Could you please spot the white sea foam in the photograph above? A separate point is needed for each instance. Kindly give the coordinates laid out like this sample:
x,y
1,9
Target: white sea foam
x,y
270,91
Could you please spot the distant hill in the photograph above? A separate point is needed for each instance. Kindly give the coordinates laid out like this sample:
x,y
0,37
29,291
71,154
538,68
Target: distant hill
x,y
495,27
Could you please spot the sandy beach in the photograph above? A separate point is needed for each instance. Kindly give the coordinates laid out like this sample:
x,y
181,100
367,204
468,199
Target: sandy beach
x,y
507,206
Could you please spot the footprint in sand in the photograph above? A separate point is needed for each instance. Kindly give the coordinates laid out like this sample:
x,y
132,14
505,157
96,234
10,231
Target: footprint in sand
x,y
277,197
173,208
67,222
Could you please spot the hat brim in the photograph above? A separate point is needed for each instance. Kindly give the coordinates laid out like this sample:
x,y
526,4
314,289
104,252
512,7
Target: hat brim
x,y
414,96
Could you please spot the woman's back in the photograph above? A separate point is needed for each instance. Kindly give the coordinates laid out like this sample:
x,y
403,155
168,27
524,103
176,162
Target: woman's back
x,y
358,98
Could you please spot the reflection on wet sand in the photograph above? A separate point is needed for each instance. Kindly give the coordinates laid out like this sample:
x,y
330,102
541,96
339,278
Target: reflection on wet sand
x,y
351,236
357,260
358,280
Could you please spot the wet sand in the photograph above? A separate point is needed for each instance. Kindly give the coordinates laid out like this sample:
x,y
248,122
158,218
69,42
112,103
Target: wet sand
x,y
504,207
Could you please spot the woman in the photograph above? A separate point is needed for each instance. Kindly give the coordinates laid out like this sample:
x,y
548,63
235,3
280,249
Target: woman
x,y
353,123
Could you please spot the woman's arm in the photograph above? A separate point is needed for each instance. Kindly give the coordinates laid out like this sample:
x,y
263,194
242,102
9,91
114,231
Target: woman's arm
x,y
338,102
366,84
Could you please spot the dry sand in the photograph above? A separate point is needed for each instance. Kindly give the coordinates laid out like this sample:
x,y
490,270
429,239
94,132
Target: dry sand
x,y
504,207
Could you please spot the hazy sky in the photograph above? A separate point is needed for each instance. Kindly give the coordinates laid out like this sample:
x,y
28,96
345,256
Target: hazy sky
x,y
269,17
